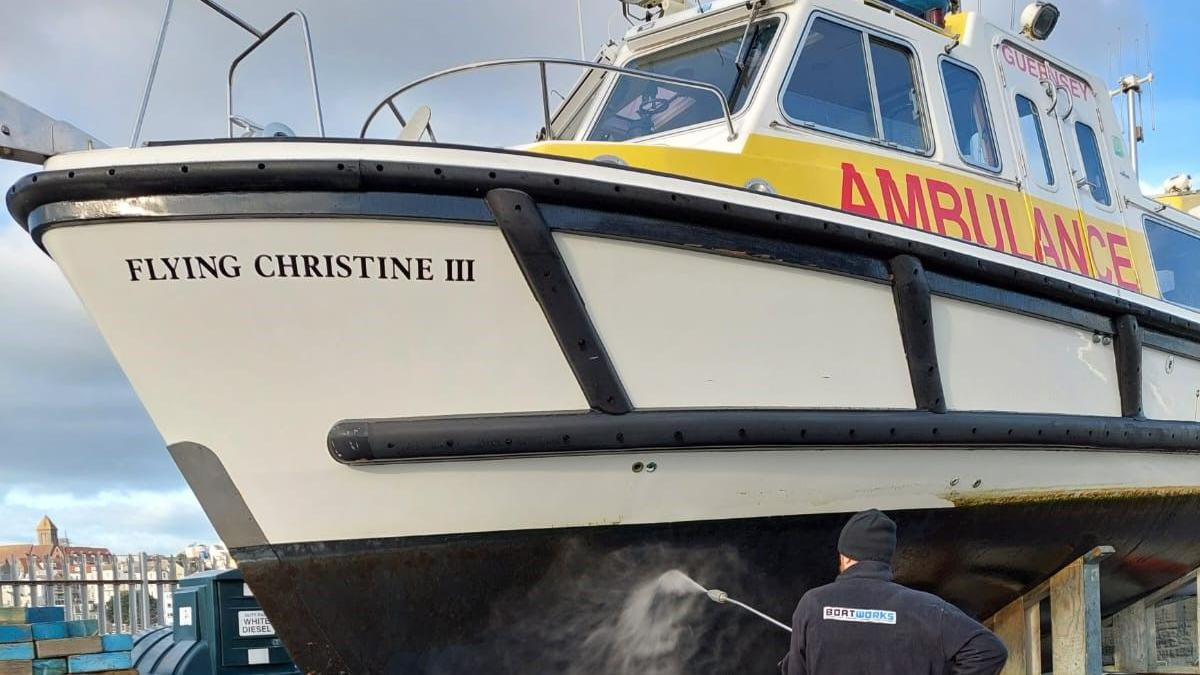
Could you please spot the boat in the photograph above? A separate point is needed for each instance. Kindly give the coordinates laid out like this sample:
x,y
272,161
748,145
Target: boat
x,y
767,264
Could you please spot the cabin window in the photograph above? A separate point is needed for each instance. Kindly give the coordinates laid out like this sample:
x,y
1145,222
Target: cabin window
x,y
1175,254
640,107
829,86
969,115
835,86
1037,155
1093,166
899,103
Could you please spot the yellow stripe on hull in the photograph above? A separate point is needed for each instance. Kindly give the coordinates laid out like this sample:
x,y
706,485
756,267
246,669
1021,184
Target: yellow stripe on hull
x,y
953,204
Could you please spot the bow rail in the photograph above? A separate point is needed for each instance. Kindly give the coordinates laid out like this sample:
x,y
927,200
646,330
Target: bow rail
x,y
260,36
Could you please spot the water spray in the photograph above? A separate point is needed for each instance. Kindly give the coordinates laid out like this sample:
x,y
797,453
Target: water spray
x,y
675,581
722,598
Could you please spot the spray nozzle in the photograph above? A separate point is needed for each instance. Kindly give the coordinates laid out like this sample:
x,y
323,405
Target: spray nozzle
x,y
721,597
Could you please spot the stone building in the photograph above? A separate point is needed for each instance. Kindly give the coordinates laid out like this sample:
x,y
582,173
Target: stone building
x,y
49,558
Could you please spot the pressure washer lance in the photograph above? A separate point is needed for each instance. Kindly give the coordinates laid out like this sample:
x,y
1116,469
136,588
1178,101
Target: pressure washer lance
x,y
721,597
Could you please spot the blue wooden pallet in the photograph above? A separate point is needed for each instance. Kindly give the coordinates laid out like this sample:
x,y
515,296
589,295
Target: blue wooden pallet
x,y
97,663
50,667
117,642
17,632
16,651
51,630
31,614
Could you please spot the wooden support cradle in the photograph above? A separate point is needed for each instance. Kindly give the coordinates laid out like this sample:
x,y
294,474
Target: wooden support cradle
x,y
1077,631
1074,594
1136,639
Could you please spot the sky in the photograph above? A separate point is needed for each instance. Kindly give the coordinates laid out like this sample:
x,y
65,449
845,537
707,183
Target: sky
x,y
75,442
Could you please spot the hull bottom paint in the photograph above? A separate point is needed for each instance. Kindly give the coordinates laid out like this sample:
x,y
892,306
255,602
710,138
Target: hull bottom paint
x,y
582,600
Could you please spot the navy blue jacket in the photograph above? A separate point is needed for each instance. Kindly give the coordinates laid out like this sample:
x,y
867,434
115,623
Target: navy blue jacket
x,y
864,624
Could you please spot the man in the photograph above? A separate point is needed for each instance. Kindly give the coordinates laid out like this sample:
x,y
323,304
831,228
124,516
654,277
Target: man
x,y
864,624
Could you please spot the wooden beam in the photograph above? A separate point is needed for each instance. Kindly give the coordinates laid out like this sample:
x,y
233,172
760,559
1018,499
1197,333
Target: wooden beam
x,y
1009,626
1131,639
1033,628
1075,615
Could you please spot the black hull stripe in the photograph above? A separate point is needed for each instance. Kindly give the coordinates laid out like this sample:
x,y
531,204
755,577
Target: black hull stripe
x,y
495,436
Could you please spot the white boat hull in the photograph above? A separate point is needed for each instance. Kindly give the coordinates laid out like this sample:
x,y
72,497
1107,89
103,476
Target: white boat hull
x,y
300,350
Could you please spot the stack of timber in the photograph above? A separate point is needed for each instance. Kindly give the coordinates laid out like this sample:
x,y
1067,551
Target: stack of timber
x,y
38,641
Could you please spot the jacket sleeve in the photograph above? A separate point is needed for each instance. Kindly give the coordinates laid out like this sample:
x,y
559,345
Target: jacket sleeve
x,y
970,649
793,661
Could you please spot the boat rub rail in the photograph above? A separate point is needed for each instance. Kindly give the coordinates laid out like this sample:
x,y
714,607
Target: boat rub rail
x,y
496,436
644,207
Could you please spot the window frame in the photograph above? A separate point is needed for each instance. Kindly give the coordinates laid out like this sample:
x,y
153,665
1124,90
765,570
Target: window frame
x,y
605,90
867,32
998,170
1163,222
1047,158
1109,187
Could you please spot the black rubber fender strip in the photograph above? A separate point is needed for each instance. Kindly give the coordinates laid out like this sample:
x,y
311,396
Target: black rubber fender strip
x,y
914,309
532,244
1128,345
369,441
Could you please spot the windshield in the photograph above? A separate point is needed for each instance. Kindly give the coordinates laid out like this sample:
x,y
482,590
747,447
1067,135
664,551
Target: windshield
x,y
640,107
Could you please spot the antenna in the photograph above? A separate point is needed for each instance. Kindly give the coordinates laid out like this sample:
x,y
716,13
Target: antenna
x,y
1150,67
1131,87
579,14
1120,49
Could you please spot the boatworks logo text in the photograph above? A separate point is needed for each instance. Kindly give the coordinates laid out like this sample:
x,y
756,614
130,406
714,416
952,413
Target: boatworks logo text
x,y
301,266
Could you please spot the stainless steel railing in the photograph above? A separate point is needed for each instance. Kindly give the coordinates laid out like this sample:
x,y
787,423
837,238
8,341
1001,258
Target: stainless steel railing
x,y
312,65
259,38
388,101
125,594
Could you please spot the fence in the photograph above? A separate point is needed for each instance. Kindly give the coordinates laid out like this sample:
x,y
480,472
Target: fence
x,y
125,594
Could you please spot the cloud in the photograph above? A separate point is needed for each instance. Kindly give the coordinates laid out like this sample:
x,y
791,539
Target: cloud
x,y
68,418
124,521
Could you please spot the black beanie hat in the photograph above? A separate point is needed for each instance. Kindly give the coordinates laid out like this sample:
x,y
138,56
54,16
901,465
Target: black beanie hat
x,y
868,535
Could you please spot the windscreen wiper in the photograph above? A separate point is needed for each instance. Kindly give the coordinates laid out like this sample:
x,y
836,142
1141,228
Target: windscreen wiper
x,y
755,6
742,62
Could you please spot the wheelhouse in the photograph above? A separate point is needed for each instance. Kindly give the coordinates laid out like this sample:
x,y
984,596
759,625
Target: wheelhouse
x,y
953,125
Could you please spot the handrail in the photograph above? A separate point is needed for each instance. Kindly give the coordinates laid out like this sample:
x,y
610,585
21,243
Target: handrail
x,y
542,63
312,67
241,23
260,37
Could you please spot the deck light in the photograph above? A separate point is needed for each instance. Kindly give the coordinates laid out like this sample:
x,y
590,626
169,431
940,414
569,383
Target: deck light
x,y
760,185
1039,19
610,159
